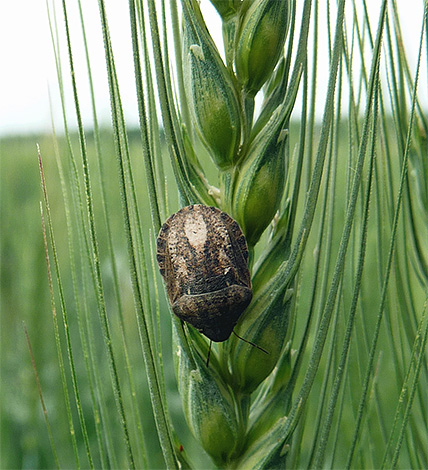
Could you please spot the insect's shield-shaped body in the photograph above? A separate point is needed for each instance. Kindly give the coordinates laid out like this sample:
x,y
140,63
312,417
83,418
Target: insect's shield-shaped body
x,y
203,258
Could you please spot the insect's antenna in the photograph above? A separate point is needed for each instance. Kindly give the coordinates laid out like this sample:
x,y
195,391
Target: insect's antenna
x,y
209,352
249,342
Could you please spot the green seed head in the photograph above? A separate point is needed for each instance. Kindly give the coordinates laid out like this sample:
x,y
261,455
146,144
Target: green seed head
x,y
264,417
211,416
261,41
260,183
265,324
275,252
226,8
207,403
212,97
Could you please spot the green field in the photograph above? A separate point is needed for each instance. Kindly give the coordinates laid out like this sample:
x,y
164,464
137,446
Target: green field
x,y
26,304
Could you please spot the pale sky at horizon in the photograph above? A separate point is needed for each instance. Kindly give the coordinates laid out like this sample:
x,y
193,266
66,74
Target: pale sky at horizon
x,y
28,69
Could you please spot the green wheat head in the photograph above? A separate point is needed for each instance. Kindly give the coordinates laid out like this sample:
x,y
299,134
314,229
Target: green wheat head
x,y
334,214
251,157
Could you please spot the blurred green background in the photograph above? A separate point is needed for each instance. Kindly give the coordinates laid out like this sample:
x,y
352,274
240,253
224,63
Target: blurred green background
x,y
25,301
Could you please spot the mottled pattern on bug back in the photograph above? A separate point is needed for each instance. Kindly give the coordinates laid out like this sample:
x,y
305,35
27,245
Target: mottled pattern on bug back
x,y
201,251
202,255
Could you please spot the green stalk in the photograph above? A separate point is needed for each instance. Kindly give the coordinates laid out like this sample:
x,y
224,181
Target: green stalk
x,y
323,328
33,363
96,257
143,121
320,456
148,348
387,271
54,314
85,243
169,117
96,134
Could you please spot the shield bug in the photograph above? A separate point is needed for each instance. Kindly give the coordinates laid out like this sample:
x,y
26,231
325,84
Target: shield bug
x,y
203,259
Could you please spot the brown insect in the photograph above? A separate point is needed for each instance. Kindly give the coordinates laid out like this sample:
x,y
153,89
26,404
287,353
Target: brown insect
x,y
203,258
